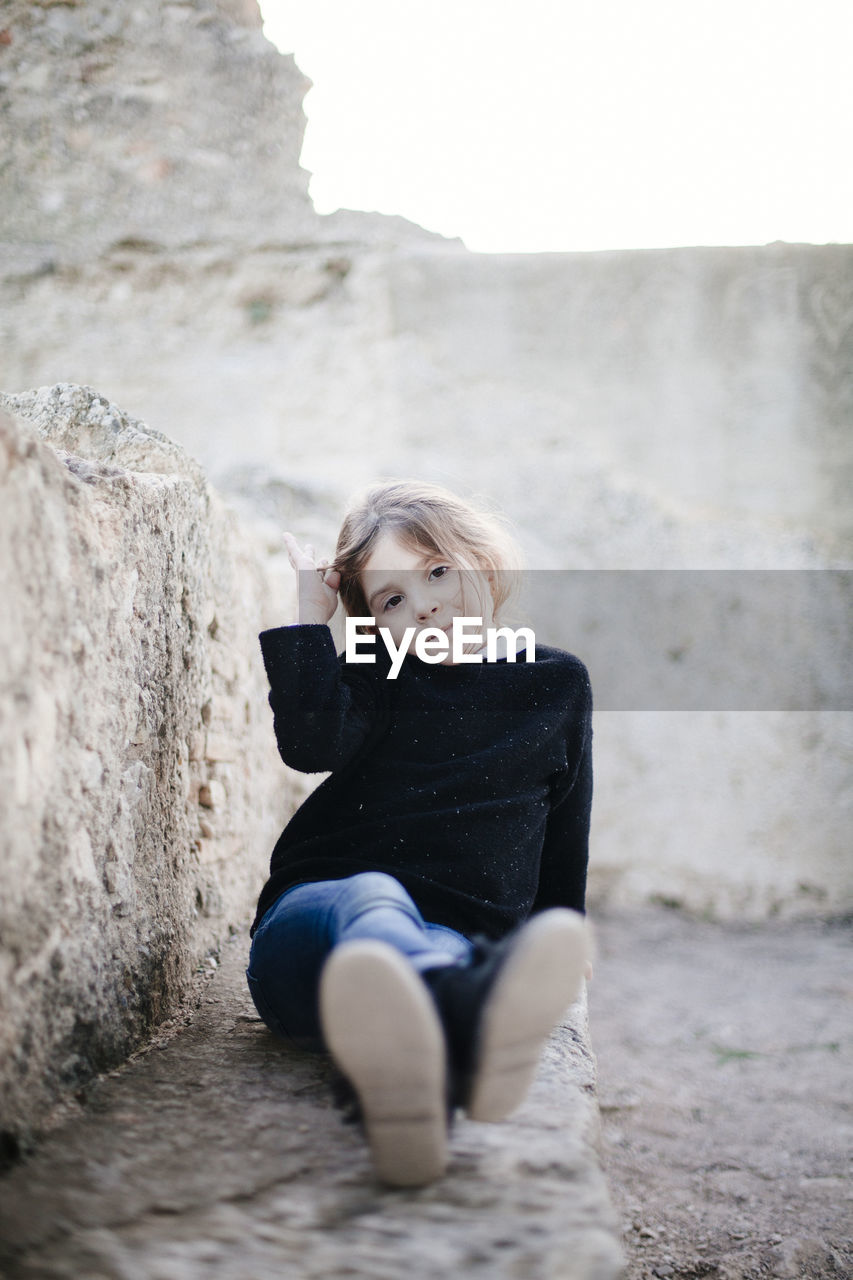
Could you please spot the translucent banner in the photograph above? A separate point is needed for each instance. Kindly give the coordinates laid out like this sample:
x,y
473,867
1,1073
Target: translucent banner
x,y
679,640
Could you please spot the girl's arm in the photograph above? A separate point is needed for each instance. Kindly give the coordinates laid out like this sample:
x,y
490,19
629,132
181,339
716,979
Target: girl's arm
x,y
565,852
323,712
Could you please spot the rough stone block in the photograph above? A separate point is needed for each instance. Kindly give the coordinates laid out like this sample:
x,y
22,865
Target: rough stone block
x,y
113,551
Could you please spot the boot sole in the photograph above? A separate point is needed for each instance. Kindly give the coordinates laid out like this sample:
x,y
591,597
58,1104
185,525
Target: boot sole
x,y
383,1031
540,978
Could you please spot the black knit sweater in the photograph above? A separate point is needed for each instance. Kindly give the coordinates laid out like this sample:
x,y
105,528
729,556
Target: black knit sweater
x,y
470,784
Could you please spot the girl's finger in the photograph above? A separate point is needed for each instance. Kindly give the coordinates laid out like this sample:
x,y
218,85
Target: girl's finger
x,y
290,547
300,557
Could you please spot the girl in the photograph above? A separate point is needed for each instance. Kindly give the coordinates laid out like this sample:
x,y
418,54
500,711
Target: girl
x,y
395,929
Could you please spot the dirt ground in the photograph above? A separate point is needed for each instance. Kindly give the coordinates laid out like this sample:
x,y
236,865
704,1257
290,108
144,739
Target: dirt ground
x,y
725,1088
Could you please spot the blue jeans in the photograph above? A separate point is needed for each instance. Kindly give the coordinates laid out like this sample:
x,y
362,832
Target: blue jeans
x,y
295,936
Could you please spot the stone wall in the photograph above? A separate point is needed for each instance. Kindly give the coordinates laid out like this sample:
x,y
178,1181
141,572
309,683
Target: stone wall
x,y
655,392
716,381
145,124
140,788
358,361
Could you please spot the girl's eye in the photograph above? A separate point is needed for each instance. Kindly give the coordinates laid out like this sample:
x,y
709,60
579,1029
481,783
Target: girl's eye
x,y
440,570
391,603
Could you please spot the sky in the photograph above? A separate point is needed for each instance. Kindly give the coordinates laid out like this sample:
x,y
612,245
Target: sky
x,y
558,125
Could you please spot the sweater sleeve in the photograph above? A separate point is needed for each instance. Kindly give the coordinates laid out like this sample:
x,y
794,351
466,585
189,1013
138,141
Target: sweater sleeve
x,y
565,852
324,712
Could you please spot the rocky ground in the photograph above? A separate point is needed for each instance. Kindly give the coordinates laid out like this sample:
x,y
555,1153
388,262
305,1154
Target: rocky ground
x,y
724,1083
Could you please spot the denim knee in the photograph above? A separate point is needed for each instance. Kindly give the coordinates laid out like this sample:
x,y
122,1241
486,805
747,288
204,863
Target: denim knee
x,y
378,884
370,891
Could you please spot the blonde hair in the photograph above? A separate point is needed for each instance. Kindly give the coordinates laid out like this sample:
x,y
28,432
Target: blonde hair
x,y
426,517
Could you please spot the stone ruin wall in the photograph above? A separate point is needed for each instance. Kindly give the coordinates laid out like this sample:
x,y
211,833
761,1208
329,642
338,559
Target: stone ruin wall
x,y
296,376
145,124
141,792
140,787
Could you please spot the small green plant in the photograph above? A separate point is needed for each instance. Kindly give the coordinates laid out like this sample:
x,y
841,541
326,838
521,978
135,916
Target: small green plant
x,y
733,1055
725,1054
258,310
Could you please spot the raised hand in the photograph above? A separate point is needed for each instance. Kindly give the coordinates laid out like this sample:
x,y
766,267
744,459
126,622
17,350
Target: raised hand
x,y
317,584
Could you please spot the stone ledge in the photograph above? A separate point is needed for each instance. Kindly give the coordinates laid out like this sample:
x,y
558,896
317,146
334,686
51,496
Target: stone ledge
x,y
221,1155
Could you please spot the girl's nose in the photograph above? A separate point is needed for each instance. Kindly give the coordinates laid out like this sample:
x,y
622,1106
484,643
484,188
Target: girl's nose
x,y
424,609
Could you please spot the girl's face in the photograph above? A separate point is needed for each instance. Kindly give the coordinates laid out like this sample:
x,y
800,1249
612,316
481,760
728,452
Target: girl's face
x,y
416,588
